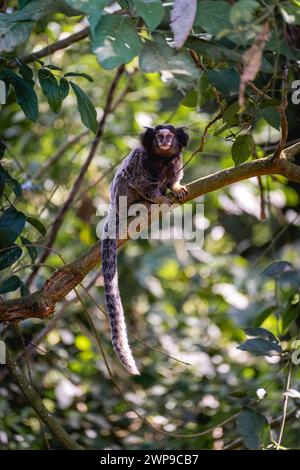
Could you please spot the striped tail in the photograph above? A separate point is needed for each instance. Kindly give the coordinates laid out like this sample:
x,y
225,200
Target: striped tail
x,y
114,305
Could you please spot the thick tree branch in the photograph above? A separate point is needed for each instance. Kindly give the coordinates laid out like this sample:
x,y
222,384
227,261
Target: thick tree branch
x,y
42,303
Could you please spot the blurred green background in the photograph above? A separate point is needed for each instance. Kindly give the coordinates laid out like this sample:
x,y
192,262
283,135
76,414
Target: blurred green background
x,y
185,310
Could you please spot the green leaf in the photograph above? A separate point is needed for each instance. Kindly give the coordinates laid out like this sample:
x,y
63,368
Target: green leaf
x,y
25,94
289,315
152,12
261,332
242,149
289,280
11,225
31,249
5,178
272,116
64,88
15,27
227,81
115,41
205,90
52,67
213,51
50,89
26,72
213,17
85,107
253,428
17,188
9,256
11,284
276,269
243,11
261,347
157,56
264,314
74,74
23,3
190,99
93,9
37,224
198,97
24,289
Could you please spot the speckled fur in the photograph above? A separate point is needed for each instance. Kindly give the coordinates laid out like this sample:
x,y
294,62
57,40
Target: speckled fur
x,y
143,176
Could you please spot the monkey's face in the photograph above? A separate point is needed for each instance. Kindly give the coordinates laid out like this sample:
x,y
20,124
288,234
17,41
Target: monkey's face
x,y
164,140
165,143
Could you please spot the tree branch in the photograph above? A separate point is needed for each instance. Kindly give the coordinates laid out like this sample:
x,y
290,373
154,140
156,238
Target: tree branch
x,y
91,154
35,401
42,303
48,50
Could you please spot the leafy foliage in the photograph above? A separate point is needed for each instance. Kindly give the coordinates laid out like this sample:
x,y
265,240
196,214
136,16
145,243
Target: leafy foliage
x,y
186,310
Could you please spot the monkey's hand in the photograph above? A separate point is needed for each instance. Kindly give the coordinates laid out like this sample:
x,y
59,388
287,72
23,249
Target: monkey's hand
x,y
180,192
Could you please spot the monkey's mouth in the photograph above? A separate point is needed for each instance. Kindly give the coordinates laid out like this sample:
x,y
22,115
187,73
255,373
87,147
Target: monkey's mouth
x,y
165,146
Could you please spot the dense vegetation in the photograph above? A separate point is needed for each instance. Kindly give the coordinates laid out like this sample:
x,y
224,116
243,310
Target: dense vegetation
x,y
214,330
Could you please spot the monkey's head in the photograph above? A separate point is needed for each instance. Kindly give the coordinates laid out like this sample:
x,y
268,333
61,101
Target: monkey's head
x,y
164,140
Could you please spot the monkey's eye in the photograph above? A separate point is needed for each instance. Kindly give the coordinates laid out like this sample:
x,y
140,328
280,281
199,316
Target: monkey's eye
x,y
164,138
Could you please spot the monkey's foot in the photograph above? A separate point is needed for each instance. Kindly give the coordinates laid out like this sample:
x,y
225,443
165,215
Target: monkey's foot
x,y
163,200
180,192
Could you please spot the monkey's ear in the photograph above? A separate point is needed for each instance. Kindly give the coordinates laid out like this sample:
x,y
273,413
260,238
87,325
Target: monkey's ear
x,y
147,138
182,136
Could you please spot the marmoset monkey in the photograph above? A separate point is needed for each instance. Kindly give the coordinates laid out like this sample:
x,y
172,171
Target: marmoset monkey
x,y
145,175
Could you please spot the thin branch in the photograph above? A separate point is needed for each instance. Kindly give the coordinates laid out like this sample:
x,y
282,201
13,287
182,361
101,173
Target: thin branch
x,y
60,152
37,404
285,404
283,119
67,204
48,50
41,304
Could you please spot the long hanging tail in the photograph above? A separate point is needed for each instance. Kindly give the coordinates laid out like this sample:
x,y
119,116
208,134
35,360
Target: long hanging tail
x,y
114,305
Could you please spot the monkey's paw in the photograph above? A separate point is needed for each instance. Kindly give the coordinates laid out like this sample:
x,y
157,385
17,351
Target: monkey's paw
x,y
180,192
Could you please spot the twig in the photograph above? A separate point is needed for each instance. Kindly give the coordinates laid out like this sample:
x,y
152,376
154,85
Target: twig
x,y
285,404
65,207
283,119
155,429
48,50
37,404
32,345
60,152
